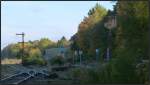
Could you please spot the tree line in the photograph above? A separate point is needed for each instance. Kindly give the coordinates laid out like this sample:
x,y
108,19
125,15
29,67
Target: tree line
x,y
33,50
129,41
129,44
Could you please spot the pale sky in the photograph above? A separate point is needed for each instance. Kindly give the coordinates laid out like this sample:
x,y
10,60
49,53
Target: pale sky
x,y
39,19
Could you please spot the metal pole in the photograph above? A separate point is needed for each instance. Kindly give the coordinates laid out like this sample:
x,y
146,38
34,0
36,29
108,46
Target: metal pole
x,y
96,55
22,34
80,59
75,57
23,44
110,41
109,45
80,53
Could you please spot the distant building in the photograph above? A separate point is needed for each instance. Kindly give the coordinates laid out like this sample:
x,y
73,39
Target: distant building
x,y
49,53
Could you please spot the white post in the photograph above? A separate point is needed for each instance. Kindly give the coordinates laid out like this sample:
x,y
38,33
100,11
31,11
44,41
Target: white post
x,y
97,51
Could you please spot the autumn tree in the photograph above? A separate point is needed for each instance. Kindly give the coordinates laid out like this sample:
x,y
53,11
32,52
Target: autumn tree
x,y
86,29
63,42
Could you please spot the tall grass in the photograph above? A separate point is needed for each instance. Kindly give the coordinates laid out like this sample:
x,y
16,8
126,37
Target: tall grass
x,y
11,61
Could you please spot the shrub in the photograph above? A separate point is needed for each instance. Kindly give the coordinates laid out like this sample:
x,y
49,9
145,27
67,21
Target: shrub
x,y
57,60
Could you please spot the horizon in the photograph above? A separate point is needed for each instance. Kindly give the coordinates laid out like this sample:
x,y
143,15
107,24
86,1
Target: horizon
x,y
52,19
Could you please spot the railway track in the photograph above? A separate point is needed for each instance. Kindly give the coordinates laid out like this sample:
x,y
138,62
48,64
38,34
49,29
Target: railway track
x,y
16,79
37,77
23,77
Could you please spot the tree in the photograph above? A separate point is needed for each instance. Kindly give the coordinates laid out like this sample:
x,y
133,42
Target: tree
x,y
74,44
34,57
33,51
62,42
91,32
45,43
131,40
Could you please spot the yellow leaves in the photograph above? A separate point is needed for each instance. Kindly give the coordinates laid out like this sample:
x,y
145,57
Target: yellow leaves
x,y
35,52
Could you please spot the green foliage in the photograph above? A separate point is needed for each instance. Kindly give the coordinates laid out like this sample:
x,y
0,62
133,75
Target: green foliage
x,y
45,43
10,51
57,60
33,50
142,71
91,76
62,42
74,43
129,42
79,74
87,38
34,57
129,45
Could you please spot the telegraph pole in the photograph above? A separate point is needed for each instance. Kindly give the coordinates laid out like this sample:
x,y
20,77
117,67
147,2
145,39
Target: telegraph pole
x,y
22,34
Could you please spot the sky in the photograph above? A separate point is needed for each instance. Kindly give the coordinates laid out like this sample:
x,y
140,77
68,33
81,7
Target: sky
x,y
43,19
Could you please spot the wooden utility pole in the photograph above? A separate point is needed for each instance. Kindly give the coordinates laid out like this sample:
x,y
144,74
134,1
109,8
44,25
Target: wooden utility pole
x,y
22,34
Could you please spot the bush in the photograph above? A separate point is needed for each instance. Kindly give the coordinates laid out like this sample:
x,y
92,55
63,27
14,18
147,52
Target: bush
x,y
116,71
57,60
143,72
85,76
79,74
36,61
